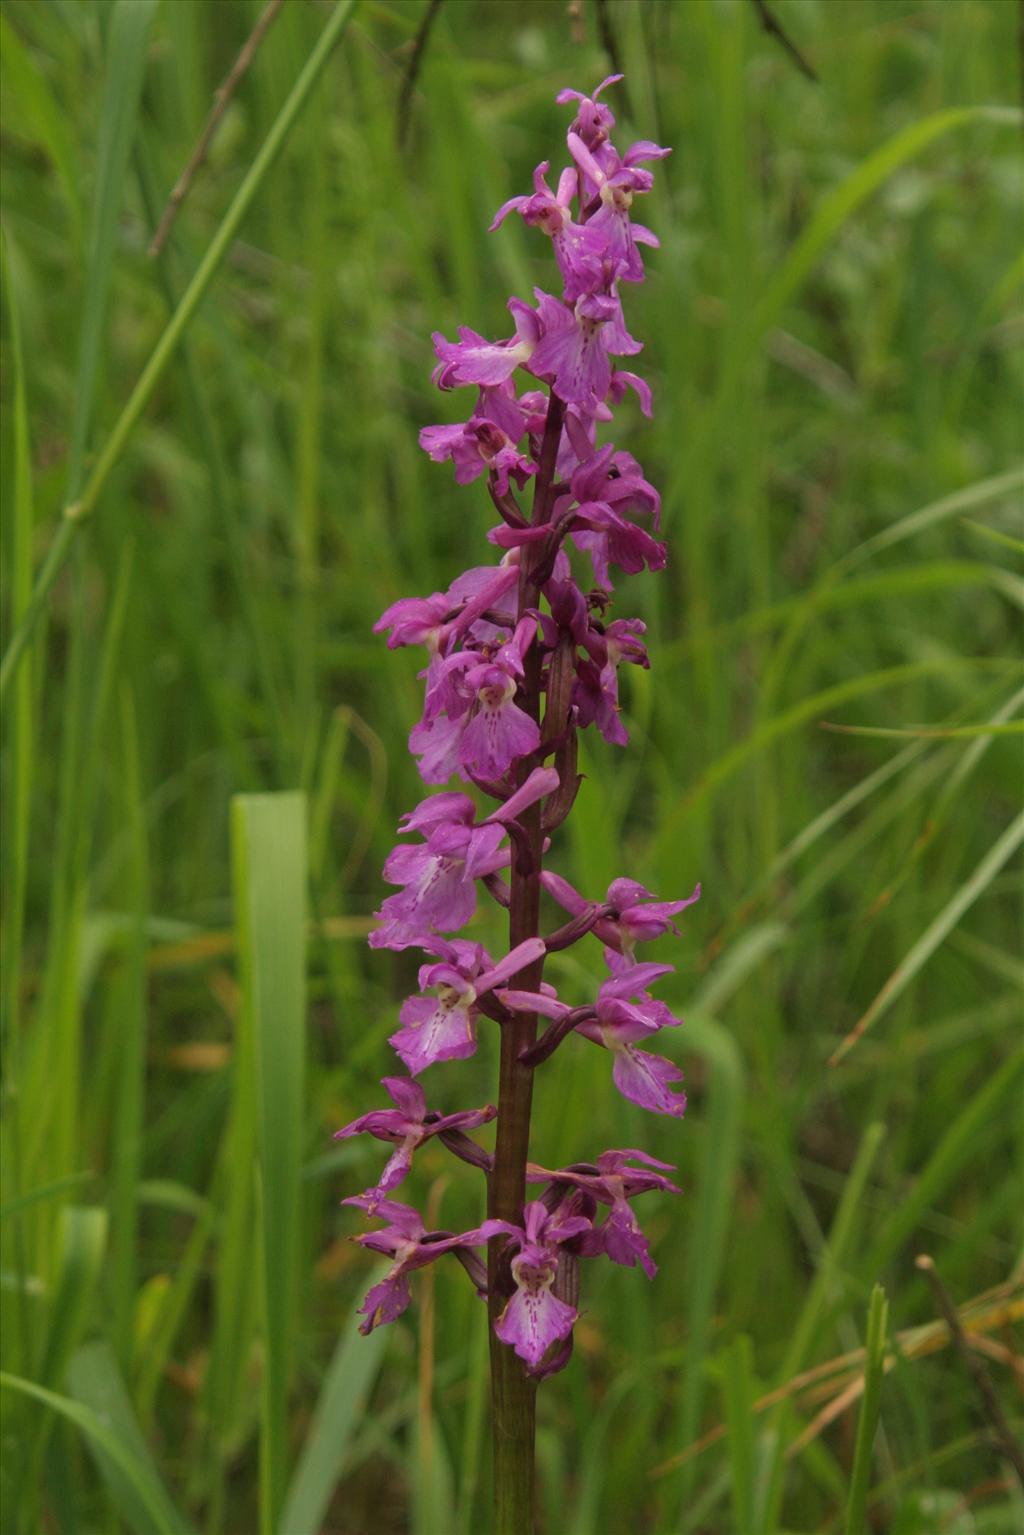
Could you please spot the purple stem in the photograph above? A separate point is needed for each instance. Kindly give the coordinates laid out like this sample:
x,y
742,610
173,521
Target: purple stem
x,y
498,889
571,932
513,1393
462,1146
552,1037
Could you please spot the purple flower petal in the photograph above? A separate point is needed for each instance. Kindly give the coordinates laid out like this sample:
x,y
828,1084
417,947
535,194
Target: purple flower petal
x,y
644,1079
385,1302
534,1319
406,1096
499,732
441,1028
438,744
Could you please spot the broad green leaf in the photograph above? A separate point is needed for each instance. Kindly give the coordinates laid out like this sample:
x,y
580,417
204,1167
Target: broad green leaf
x,y
346,1389
150,1494
139,1495
269,875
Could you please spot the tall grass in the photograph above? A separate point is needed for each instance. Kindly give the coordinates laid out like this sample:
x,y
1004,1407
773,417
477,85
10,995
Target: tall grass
x,y
201,738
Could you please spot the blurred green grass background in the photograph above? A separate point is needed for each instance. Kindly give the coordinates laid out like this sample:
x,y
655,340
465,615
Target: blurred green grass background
x,y
833,333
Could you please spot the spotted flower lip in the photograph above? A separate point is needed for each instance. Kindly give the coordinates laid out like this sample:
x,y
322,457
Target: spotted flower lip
x,y
624,1012
438,877
408,1125
578,343
614,182
471,724
613,1182
438,890
405,1239
442,1026
535,1318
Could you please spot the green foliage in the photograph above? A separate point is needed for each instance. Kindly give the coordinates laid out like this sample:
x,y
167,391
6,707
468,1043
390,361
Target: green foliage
x,y
867,1423
188,1008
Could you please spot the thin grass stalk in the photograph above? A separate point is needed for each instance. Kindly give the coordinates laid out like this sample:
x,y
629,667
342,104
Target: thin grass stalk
x,y
17,811
874,1371
203,420
130,1092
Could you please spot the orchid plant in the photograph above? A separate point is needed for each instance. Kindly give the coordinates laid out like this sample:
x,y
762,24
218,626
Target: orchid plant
x,y
521,656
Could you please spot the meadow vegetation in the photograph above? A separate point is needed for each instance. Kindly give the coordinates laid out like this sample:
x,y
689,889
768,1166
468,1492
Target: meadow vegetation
x,y
204,762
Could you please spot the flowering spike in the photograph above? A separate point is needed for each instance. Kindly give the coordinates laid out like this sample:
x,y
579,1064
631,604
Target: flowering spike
x,y
520,656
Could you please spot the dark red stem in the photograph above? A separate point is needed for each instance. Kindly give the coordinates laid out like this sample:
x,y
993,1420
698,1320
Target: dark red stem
x,y
571,932
513,1393
552,1037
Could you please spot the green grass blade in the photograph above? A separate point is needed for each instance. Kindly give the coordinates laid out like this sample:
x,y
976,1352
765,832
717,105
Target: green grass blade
x,y
591,1470
738,1398
867,1423
825,598
949,797
995,536
791,719
46,1191
740,960
713,1210
127,41
95,1382
950,1156
822,1297
41,118
82,1240
52,1085
224,501
836,208
269,876
225,1397
170,1313
346,1389
51,568
17,800
130,1092
834,1255
20,730
472,1433
930,516
936,932
79,508
928,732
151,1495
829,818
